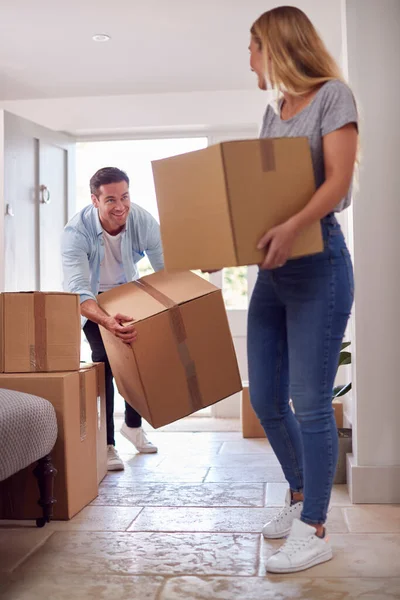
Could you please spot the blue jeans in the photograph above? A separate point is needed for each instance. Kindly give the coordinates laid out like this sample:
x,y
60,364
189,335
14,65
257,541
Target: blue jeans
x,y
297,319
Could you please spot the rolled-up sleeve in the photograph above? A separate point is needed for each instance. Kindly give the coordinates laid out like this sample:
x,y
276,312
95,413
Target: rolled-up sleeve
x,y
154,248
75,262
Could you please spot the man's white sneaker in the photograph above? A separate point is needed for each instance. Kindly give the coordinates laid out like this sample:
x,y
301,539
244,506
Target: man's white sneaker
x,y
281,523
114,462
139,439
303,549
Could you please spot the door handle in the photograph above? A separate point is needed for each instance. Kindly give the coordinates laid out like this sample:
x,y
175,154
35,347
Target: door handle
x,y
44,194
9,210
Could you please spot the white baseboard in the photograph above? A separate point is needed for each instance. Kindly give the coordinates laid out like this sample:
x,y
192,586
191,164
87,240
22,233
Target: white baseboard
x,y
373,485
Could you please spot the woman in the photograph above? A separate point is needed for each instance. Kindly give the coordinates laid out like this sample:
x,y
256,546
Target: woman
x,y
300,308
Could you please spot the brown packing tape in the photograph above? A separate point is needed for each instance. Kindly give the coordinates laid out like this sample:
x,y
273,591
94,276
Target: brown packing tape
x,y
178,327
38,355
267,155
82,407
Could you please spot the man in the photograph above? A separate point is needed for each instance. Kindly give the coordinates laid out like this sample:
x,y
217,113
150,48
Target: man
x,y
100,248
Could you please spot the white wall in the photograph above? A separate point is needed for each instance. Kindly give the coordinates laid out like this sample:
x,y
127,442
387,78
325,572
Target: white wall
x,y
157,112
374,51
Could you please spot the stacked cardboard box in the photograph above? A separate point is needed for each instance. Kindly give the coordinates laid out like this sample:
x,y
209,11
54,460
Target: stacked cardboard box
x,y
39,354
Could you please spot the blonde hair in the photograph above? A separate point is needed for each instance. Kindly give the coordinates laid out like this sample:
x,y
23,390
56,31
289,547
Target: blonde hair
x,y
298,58
295,57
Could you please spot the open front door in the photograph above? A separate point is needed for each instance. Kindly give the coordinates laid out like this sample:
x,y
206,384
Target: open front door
x,y
39,189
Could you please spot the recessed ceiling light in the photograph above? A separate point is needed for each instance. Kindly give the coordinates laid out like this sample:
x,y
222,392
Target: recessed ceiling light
x,y
101,37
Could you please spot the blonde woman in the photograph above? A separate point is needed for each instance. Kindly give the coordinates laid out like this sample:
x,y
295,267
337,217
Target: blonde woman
x,y
300,308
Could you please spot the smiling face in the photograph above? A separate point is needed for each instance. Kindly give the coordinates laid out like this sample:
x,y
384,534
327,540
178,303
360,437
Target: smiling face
x,y
113,204
257,63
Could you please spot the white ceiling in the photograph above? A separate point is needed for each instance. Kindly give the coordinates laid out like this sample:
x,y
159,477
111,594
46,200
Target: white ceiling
x,y
46,47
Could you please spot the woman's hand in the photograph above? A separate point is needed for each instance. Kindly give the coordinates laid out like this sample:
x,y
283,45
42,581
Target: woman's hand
x,y
278,242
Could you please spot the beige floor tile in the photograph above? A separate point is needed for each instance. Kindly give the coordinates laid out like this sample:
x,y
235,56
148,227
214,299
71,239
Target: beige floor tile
x,y
219,436
223,460
17,544
206,494
355,555
198,424
213,520
98,518
146,553
141,460
251,475
142,475
250,446
36,586
340,496
373,518
282,588
173,443
336,522
276,493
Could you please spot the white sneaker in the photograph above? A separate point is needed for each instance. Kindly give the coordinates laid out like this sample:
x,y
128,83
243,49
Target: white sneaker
x,y
139,439
303,549
281,523
114,462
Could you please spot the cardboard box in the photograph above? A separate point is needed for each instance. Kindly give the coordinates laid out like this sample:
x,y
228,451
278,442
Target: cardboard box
x,y
101,429
251,426
338,410
183,359
74,397
216,204
39,332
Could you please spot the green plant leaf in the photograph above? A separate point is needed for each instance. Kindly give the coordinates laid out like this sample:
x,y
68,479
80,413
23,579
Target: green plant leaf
x,y
344,358
340,390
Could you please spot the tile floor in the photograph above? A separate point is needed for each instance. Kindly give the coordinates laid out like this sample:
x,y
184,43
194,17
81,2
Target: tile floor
x,y
185,525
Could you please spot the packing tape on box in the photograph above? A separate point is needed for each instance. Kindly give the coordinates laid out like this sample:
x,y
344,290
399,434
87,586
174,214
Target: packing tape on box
x,y
267,155
38,355
178,327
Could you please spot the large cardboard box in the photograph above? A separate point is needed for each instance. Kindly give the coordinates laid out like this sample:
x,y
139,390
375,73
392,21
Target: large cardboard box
x,y
216,204
74,397
183,359
39,332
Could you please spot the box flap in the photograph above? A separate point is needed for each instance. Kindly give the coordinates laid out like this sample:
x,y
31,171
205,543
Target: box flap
x,y
180,287
193,207
149,296
130,300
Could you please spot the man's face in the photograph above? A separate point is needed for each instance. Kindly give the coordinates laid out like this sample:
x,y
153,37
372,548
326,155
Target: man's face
x,y
113,203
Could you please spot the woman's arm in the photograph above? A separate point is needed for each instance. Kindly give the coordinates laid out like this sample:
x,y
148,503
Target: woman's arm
x,y
340,149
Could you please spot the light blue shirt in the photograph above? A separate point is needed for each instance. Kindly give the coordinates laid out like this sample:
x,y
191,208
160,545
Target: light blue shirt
x,y
82,249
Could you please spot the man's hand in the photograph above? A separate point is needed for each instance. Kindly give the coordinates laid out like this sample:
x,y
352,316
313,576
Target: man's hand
x,y
115,325
278,242
210,271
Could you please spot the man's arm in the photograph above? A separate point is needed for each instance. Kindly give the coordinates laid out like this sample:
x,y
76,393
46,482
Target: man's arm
x,y
154,248
76,271
92,311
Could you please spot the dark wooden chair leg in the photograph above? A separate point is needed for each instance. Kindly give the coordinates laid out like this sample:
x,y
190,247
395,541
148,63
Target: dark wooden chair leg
x,y
45,473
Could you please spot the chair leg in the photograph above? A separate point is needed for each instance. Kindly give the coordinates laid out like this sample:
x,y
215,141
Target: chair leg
x,y
45,473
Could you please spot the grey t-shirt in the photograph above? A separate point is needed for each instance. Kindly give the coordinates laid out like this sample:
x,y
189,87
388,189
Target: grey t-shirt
x,y
332,107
